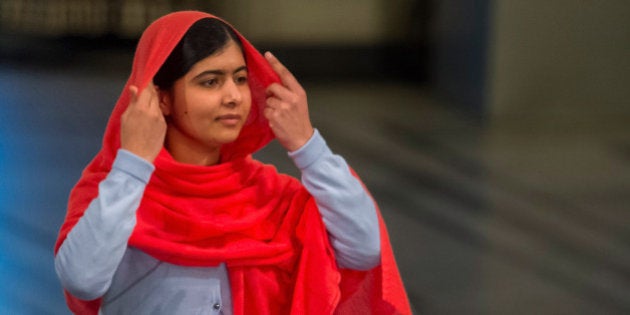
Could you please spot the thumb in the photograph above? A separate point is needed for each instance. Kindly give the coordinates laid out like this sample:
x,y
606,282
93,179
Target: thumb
x,y
134,93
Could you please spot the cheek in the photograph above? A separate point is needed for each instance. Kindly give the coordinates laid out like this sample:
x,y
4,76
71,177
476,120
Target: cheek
x,y
180,105
199,104
247,104
247,100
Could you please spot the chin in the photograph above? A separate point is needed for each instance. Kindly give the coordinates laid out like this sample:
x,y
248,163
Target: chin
x,y
229,137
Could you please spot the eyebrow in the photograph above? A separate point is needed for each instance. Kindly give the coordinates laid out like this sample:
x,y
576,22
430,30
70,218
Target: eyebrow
x,y
219,72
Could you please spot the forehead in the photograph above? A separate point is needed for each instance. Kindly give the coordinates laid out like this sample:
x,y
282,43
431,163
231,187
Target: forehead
x,y
226,59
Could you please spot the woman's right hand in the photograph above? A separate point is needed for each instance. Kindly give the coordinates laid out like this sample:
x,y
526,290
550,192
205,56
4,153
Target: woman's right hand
x,y
142,125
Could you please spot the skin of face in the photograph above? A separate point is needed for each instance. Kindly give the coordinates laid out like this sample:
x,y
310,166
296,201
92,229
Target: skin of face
x,y
207,107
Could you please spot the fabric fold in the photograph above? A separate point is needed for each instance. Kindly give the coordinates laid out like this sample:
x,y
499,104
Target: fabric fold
x,y
265,226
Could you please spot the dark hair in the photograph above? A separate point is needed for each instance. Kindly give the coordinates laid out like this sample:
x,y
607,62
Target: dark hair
x,y
204,38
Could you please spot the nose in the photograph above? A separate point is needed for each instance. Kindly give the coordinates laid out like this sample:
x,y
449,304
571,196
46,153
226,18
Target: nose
x,y
232,95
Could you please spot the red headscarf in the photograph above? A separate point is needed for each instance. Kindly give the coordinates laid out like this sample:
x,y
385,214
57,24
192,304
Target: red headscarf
x,y
263,225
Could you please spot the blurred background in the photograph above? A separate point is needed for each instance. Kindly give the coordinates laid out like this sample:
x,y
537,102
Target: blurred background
x,y
495,135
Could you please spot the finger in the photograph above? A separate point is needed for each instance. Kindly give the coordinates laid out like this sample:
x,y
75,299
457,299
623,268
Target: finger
x,y
285,75
268,113
146,96
152,89
280,92
274,103
134,94
154,97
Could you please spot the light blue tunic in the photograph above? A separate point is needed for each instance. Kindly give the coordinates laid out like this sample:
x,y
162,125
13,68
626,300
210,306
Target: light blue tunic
x,y
94,261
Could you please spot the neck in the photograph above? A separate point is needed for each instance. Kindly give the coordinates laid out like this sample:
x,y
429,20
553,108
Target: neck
x,y
188,151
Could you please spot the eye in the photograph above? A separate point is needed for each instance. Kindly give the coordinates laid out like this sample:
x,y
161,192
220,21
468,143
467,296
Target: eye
x,y
242,79
210,82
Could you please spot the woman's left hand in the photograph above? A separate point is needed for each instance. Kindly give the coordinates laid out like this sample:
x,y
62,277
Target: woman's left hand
x,y
287,108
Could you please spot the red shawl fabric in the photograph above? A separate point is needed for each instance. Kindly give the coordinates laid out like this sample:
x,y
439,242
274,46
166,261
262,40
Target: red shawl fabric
x,y
263,225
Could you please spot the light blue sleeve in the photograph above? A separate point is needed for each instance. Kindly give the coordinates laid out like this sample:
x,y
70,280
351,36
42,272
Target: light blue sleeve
x,y
346,208
89,256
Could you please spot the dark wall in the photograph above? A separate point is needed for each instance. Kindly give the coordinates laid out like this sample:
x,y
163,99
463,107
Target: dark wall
x,y
458,47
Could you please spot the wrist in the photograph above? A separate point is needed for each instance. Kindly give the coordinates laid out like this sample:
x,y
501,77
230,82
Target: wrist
x,y
310,153
143,154
301,141
133,164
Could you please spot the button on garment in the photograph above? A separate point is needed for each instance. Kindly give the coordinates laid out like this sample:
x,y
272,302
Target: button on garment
x,y
144,285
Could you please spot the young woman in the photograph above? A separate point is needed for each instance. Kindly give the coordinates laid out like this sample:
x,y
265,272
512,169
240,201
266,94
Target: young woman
x,y
173,216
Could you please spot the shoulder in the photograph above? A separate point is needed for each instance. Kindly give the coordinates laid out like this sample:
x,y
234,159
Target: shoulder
x,y
268,173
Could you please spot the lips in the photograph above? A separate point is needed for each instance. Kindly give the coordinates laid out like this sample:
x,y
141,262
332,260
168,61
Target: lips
x,y
229,119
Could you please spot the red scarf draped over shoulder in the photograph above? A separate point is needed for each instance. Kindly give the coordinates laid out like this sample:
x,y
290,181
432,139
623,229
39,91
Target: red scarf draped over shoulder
x,y
265,226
